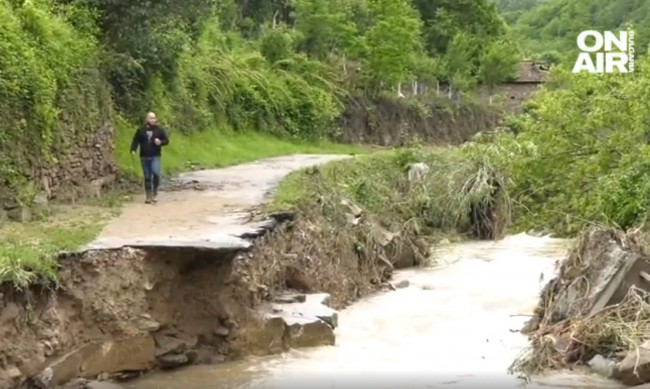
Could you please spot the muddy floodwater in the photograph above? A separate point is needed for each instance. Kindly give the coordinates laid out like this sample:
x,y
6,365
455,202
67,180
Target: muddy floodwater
x,y
454,326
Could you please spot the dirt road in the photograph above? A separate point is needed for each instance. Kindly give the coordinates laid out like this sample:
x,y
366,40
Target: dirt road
x,y
214,217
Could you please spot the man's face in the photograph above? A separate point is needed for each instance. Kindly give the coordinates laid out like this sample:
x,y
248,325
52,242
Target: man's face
x,y
151,119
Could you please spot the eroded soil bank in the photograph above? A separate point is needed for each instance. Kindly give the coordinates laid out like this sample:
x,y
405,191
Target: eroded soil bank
x,y
121,311
450,325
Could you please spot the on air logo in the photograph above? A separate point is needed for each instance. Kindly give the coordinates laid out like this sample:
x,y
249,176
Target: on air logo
x,y
605,52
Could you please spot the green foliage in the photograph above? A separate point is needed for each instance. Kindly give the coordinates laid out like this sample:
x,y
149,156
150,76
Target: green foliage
x,y
460,67
554,25
46,68
279,67
277,44
499,62
327,26
28,250
393,40
444,19
379,183
580,154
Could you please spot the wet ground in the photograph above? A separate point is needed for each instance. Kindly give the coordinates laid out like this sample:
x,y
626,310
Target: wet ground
x,y
210,212
454,326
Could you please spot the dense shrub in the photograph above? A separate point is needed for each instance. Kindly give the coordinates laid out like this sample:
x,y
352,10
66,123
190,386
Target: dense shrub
x,y
580,154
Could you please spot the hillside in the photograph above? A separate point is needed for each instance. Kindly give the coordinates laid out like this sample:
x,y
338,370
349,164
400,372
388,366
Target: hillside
x,y
547,26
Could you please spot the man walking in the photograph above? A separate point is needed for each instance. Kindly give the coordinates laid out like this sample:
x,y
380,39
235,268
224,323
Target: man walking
x,y
150,139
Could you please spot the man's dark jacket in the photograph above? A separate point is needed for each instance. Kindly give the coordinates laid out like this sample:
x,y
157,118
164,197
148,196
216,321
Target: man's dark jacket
x,y
148,148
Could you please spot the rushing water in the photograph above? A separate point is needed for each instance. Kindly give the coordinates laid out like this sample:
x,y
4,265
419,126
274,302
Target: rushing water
x,y
454,326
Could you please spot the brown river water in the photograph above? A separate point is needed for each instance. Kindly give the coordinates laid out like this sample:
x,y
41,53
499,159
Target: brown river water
x,y
454,326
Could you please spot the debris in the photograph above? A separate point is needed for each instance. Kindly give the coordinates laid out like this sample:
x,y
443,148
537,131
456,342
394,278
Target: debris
x,y
418,171
634,369
603,366
595,308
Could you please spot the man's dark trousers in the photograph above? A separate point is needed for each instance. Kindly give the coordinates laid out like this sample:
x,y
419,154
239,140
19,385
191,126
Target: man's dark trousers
x,y
151,170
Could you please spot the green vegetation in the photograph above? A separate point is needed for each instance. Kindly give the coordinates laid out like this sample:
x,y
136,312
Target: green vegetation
x,y
378,183
547,29
214,66
213,149
231,81
28,250
580,154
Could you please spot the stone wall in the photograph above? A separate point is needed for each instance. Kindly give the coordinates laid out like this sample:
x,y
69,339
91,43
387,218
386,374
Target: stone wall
x,y
80,165
80,170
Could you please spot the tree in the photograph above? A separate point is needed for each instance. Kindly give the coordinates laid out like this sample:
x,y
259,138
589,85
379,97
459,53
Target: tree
x,y
444,19
499,62
554,24
326,26
458,59
580,155
393,41
276,44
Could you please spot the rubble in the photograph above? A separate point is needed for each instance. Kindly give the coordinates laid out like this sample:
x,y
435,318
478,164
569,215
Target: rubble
x,y
596,312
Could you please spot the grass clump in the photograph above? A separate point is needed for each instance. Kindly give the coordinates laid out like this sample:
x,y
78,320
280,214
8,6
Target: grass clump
x,y
378,182
28,250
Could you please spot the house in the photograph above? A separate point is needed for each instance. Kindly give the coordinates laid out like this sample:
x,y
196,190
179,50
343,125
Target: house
x,y
531,76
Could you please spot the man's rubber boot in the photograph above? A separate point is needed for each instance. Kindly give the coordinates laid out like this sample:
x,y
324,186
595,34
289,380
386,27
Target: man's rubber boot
x,y
154,197
148,198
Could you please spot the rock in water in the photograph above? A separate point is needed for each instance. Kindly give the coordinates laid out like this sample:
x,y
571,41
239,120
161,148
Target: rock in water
x,y
173,361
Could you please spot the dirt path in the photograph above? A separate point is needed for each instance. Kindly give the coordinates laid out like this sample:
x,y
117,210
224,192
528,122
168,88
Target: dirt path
x,y
214,217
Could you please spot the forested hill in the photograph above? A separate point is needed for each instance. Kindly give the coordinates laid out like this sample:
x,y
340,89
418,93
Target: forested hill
x,y
547,26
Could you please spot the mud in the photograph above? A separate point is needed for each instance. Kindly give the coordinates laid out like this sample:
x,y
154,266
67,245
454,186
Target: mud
x,y
144,296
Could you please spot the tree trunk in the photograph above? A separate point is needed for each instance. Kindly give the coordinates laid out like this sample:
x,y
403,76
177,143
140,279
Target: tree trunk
x,y
275,18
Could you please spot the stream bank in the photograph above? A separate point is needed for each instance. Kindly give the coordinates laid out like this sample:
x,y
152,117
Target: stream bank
x,y
199,290
454,325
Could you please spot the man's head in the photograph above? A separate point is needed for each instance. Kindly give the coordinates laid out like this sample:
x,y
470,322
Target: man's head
x,y
151,118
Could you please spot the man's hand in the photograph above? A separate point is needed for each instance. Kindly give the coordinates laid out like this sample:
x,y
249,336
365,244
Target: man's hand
x,y
157,142
132,152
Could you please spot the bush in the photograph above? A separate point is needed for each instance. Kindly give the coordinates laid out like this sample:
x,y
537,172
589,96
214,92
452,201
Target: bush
x,y
52,93
580,154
